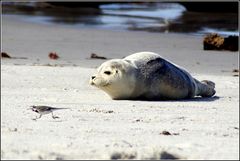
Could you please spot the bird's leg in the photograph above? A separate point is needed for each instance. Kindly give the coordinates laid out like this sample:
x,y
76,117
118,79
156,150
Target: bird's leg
x,y
38,117
54,117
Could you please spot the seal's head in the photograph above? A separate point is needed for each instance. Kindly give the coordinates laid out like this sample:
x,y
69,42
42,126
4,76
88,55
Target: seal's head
x,y
116,78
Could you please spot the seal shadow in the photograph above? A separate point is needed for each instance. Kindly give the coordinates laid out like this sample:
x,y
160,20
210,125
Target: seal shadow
x,y
195,99
200,99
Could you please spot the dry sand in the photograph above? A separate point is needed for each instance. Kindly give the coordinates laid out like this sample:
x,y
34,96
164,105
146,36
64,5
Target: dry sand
x,y
96,127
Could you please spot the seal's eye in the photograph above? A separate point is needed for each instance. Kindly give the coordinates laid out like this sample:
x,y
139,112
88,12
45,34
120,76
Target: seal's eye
x,y
107,72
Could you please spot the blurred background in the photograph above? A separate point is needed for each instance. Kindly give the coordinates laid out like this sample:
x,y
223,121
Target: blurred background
x,y
196,18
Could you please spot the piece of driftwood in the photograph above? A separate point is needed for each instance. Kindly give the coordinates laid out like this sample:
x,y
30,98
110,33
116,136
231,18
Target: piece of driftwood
x,y
95,56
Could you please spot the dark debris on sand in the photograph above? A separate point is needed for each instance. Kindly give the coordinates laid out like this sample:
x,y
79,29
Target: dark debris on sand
x,y
5,55
166,155
168,133
121,156
95,56
214,41
53,55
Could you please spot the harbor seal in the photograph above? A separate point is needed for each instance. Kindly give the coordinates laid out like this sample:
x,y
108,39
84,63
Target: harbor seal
x,y
148,76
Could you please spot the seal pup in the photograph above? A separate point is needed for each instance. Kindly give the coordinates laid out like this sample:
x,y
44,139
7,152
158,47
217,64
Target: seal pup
x,y
148,76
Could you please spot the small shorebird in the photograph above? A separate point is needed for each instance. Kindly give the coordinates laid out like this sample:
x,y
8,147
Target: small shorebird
x,y
43,110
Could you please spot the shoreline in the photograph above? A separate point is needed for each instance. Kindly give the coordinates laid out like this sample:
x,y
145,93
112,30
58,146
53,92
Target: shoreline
x,y
76,46
44,20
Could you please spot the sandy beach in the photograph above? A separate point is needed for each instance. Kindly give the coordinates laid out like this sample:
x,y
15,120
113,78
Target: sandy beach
x,y
96,127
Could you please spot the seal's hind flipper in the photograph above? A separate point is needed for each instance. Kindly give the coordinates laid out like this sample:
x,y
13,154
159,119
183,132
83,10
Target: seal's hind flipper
x,y
208,82
207,88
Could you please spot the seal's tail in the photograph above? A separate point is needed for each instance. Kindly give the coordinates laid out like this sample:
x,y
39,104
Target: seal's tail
x,y
207,88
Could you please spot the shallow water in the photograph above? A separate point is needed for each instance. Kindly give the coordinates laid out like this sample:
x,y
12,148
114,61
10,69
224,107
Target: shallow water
x,y
152,17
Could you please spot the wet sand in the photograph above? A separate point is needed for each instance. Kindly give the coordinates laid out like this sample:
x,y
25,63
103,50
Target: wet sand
x,y
97,127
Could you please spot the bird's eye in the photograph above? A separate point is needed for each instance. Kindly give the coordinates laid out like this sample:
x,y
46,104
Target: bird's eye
x,y
107,72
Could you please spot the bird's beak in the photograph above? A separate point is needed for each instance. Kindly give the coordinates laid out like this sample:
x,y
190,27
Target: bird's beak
x,y
30,108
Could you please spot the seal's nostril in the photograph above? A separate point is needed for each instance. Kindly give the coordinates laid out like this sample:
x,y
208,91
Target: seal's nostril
x,y
93,77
